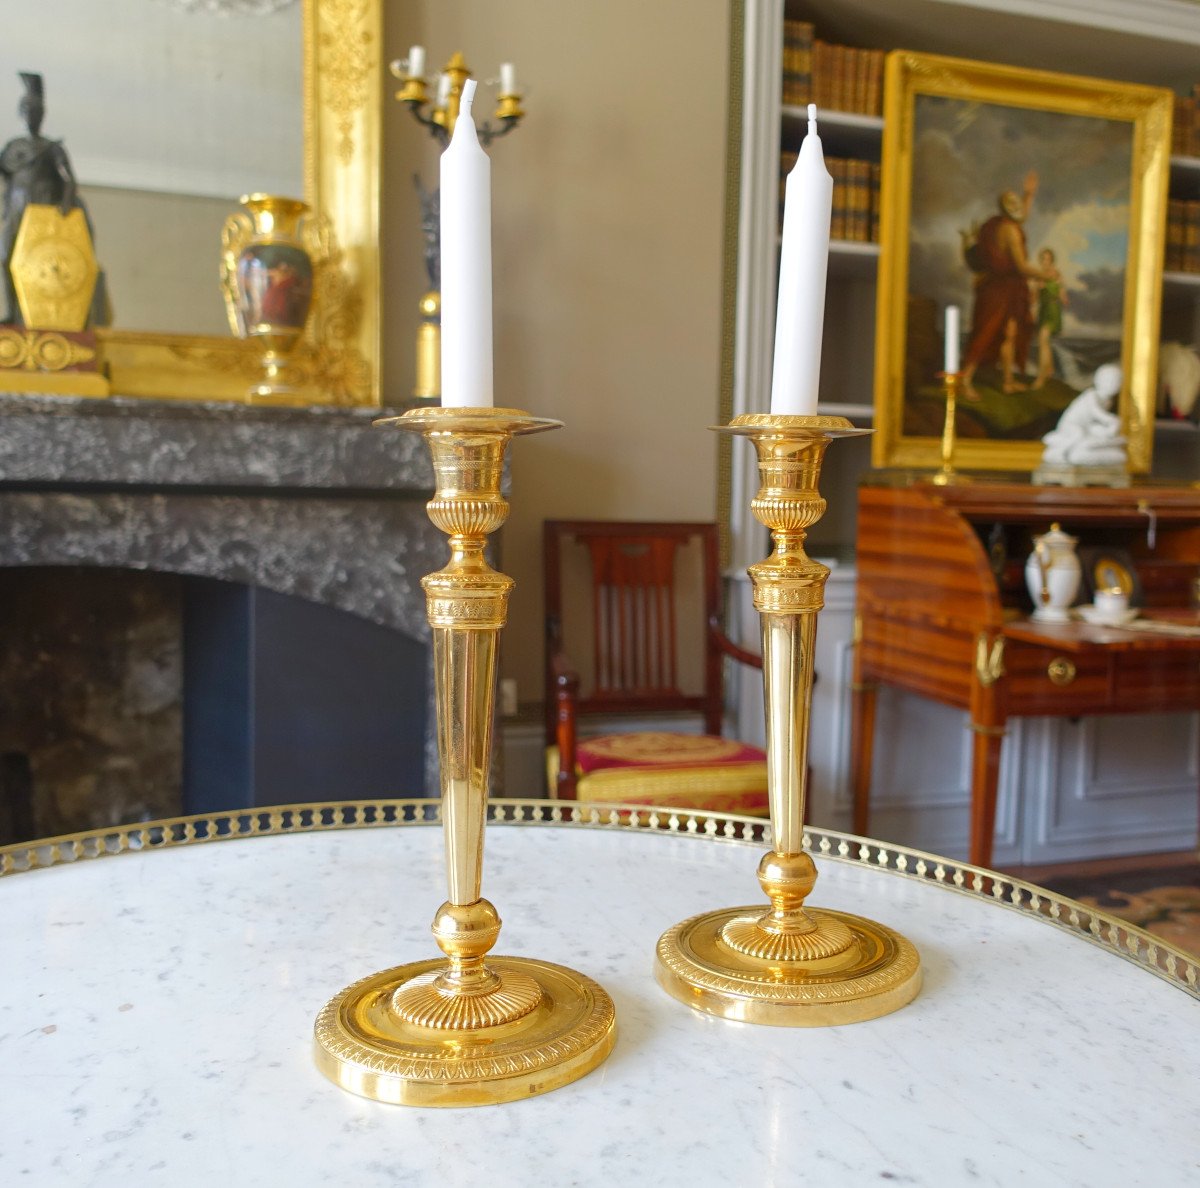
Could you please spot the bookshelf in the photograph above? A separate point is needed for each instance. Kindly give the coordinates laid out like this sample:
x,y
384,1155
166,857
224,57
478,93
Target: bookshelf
x,y
1181,278
1155,42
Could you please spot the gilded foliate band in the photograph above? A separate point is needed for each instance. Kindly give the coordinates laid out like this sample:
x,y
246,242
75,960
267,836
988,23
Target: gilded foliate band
x,y
478,600
483,612
771,425
489,616
781,599
787,584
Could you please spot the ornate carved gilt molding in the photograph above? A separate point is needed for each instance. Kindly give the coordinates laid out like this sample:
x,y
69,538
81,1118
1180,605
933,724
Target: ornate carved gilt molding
x,y
342,128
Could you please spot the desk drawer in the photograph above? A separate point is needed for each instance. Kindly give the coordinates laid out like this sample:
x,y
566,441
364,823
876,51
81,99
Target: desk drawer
x,y
1047,681
1164,680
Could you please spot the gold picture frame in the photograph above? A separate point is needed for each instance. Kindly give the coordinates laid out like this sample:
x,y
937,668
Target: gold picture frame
x,y
342,113
965,146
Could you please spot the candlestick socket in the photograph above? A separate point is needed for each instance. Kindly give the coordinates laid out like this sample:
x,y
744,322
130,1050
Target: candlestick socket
x,y
414,91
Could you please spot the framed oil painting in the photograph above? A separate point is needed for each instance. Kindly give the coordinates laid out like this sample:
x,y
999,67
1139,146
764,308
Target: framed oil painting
x,y
1035,203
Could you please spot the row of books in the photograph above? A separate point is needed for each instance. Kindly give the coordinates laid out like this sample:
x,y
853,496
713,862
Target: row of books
x,y
837,77
1183,236
855,197
1185,128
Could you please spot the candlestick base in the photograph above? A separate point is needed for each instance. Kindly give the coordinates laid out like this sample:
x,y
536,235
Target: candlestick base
x,y
368,1042
876,972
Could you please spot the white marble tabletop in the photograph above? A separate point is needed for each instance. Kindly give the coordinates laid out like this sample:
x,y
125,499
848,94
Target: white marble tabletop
x,y
156,1014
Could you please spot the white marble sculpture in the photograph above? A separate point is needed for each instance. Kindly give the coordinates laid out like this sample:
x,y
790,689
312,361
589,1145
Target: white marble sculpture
x,y
1089,431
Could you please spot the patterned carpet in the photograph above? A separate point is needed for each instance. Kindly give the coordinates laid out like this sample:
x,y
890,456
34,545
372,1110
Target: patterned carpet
x,y
1164,901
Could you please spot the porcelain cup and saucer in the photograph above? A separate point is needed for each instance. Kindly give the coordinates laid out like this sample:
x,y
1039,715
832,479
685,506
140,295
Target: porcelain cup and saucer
x,y
1110,608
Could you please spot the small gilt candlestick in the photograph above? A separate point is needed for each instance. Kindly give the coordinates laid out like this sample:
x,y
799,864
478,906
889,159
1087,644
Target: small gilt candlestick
x,y
466,1029
788,965
948,475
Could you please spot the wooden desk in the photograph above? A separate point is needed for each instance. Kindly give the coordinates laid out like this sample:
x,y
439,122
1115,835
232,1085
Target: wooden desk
x,y
943,609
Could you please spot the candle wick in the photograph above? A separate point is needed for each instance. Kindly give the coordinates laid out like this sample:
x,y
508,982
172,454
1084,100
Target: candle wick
x,y
812,118
468,97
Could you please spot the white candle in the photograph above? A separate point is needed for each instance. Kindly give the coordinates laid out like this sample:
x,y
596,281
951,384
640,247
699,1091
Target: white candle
x,y
466,265
443,89
803,264
416,61
508,78
951,361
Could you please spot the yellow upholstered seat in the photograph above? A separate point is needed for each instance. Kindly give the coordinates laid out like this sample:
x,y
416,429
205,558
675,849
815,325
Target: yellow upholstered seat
x,y
674,770
639,586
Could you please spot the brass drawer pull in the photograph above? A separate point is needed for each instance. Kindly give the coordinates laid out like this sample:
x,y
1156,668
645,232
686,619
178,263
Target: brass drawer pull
x,y
1061,671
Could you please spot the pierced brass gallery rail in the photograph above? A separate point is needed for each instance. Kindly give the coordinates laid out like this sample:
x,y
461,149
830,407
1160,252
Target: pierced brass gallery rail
x,y
1175,966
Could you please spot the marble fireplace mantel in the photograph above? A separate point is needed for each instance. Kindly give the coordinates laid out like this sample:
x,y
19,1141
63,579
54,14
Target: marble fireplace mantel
x,y
313,502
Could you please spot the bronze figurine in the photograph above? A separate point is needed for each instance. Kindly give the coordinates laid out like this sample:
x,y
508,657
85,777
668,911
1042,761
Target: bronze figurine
x,y
37,171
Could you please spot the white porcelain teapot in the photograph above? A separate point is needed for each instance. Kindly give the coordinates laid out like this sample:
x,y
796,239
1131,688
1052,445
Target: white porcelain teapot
x,y
1052,574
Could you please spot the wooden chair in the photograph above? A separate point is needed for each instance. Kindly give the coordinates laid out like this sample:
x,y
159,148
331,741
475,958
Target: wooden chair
x,y
641,598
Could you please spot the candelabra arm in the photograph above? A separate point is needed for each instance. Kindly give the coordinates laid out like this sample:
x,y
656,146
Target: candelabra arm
x,y
436,127
487,133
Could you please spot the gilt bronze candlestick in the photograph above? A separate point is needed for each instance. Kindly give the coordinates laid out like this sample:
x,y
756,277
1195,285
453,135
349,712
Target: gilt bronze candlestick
x,y
788,965
465,1029
951,381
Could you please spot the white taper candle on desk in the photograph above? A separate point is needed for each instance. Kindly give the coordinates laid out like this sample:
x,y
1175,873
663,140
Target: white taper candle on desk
x,y
466,198
803,265
951,357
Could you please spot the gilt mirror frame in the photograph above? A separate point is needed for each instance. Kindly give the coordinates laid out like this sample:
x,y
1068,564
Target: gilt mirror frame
x,y
343,55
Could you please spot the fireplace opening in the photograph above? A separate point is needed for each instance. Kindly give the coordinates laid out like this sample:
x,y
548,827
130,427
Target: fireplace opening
x,y
131,695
